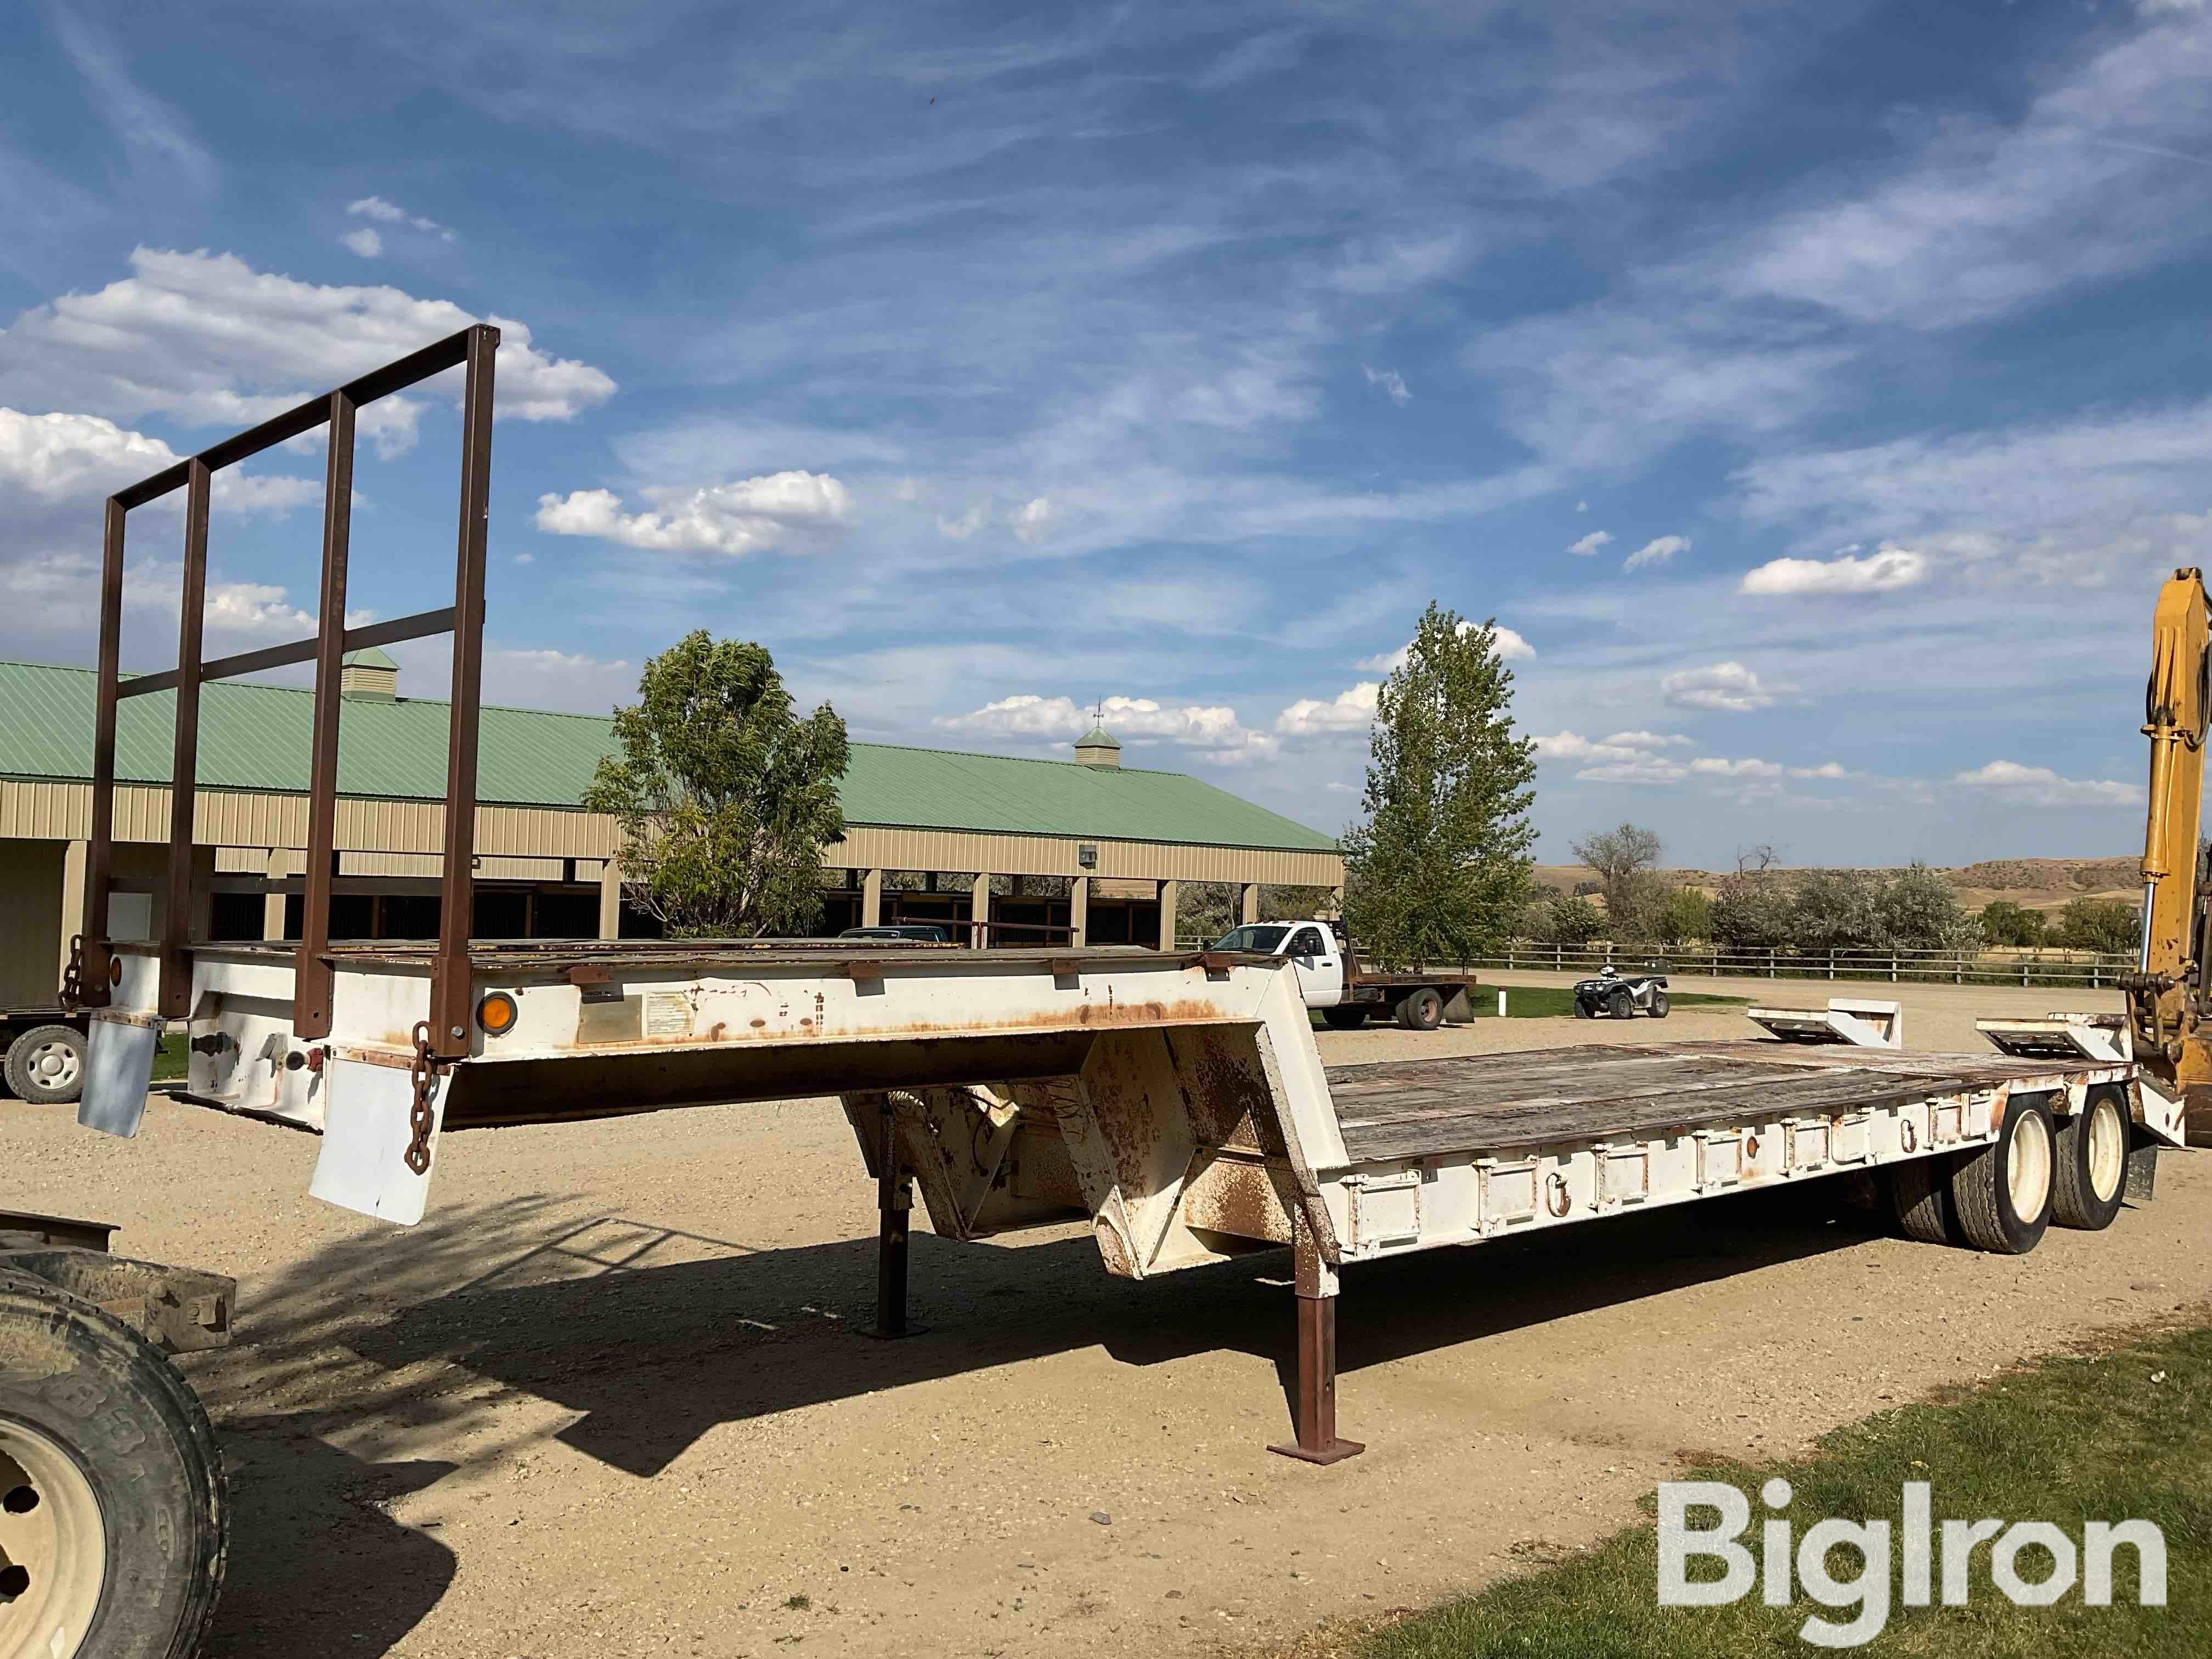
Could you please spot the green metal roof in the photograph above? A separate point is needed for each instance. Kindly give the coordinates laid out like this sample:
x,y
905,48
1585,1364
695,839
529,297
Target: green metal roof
x,y
257,737
1100,738
370,656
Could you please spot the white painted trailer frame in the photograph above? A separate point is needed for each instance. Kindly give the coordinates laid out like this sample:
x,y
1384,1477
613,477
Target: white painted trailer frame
x,y
1176,1101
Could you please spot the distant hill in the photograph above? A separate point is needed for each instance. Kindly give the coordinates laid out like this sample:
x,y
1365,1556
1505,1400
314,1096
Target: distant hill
x,y
2034,884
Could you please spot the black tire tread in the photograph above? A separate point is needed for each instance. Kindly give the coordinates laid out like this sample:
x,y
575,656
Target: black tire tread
x,y
1977,1191
2073,1200
18,1073
1920,1191
103,1345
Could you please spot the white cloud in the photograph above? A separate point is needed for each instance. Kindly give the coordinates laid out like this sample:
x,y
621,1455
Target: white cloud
x,y
1508,645
1392,382
365,242
1213,728
255,608
53,461
208,340
1030,521
2039,786
158,138
390,213
1882,571
744,516
1350,710
1623,757
906,489
1714,766
1726,687
1658,550
1590,544
1648,740
966,525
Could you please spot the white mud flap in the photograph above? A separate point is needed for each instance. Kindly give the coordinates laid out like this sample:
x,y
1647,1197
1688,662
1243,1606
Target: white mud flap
x,y
367,1130
2161,1118
119,1070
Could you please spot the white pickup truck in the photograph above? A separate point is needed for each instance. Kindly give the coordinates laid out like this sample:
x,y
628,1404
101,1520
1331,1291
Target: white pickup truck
x,y
1331,979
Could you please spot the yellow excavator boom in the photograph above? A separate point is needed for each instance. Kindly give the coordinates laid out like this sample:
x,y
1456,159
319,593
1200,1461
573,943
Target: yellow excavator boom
x,y
2166,1002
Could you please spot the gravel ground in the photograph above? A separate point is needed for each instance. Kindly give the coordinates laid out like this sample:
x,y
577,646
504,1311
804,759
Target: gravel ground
x,y
610,1399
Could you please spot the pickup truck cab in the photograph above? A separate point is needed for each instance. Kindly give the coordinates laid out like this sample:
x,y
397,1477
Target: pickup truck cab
x,y
1331,979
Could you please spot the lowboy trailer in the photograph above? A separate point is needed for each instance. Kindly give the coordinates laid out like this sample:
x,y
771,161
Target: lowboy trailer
x,y
1177,1104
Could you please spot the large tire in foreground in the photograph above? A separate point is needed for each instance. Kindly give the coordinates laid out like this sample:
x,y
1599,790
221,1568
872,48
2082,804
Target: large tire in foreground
x,y
2002,1191
46,1065
113,1512
2092,1174
1421,1011
1920,1193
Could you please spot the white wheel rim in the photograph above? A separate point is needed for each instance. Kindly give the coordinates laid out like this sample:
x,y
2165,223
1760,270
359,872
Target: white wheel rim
x,y
54,1065
54,1546
2028,1165
2108,1149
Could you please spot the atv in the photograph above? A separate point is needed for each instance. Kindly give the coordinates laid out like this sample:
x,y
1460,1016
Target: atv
x,y
1616,996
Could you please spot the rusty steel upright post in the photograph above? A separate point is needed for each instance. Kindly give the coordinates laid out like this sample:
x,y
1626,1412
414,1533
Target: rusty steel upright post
x,y
311,976
450,977
92,962
184,770
1314,1401
894,1213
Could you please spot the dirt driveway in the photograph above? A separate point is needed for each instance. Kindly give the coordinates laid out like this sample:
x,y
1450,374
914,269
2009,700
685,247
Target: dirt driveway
x,y
610,1399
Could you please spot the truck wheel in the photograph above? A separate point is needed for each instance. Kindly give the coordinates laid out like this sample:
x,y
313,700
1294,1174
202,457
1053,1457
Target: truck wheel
x,y
2002,1190
2092,1172
1421,1011
1660,1005
46,1065
113,1521
1348,1017
1621,1004
1920,1195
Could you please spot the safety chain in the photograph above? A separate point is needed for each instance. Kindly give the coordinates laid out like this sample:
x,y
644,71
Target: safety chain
x,y
423,1069
73,975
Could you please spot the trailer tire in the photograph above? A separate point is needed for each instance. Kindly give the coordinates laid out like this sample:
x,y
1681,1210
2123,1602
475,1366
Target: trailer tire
x,y
114,1518
1347,1018
2091,1174
2002,1191
46,1065
1920,1195
1421,1011
1660,1005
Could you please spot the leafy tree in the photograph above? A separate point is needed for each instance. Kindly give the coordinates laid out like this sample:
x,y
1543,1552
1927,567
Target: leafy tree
x,y
1837,909
2105,925
725,797
1634,897
1754,910
1687,915
1291,903
1565,919
1919,910
2003,922
1440,868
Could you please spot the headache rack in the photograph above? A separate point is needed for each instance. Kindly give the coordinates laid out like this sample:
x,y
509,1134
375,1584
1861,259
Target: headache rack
x,y
91,972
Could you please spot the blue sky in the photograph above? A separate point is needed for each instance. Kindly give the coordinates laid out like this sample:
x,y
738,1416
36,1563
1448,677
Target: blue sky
x,y
1817,394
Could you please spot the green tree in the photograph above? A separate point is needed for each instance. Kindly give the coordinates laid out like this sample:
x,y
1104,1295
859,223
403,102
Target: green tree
x,y
1687,915
1440,868
725,798
1754,910
1919,910
2105,925
1567,919
2003,922
1291,902
1634,897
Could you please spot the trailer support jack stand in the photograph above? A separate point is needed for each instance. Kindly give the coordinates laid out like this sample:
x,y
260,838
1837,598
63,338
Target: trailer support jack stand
x,y
1316,1406
894,1209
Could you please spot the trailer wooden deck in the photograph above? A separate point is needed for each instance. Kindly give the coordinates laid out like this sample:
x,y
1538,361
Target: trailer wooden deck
x,y
1520,1102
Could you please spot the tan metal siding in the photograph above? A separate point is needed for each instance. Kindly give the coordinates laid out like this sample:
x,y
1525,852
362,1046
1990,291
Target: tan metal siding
x,y
63,811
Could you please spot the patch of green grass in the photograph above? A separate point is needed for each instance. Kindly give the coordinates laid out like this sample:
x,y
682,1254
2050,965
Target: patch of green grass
x,y
1557,1001
170,1060
2109,1438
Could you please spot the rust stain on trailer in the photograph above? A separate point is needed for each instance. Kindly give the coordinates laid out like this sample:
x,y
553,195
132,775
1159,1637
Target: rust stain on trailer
x,y
1233,1195
1089,1015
